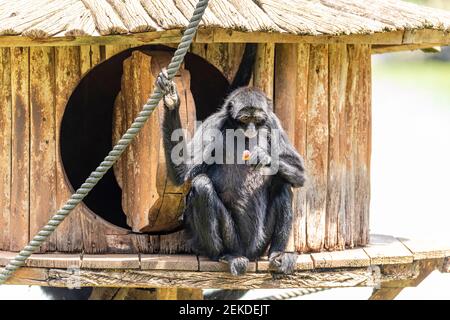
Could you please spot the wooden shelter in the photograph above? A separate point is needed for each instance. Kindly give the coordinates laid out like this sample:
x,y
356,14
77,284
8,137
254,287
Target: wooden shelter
x,y
74,72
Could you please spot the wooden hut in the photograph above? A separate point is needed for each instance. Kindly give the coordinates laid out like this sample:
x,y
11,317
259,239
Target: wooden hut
x,y
74,72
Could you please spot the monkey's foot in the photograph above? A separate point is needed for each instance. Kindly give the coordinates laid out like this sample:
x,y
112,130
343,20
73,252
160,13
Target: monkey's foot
x,y
237,264
168,88
282,262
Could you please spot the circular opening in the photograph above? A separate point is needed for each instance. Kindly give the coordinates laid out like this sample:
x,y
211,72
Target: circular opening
x,y
86,128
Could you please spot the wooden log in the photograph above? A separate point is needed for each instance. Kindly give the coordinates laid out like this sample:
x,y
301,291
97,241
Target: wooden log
x,y
142,171
42,148
20,179
317,147
67,74
300,143
5,148
335,215
265,68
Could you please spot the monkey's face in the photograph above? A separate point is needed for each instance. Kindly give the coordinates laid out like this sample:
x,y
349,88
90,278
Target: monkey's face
x,y
249,107
250,120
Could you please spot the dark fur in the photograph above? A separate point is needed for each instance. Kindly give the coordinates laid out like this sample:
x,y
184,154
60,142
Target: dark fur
x,y
233,212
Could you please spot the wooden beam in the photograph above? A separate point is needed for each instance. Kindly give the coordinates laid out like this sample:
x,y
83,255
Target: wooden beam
x,y
339,278
218,35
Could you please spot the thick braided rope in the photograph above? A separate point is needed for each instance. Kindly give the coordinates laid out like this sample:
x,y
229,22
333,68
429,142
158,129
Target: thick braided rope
x,y
114,154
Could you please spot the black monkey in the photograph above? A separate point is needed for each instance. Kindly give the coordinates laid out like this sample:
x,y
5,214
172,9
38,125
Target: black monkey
x,y
234,212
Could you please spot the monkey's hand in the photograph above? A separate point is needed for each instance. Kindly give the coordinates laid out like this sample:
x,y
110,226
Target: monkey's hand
x,y
282,262
169,89
260,158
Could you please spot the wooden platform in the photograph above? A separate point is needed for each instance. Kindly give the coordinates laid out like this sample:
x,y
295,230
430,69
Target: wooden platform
x,y
387,262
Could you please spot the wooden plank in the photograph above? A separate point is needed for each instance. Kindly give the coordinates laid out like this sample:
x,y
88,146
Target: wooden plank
x,y
110,261
5,148
335,216
341,259
304,262
285,96
364,152
426,248
341,278
264,72
387,250
67,75
42,149
222,36
20,179
169,262
112,50
348,144
207,265
317,147
54,260
300,143
85,59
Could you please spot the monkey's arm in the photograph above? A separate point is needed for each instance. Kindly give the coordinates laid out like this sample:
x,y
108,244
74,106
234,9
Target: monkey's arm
x,y
291,165
172,126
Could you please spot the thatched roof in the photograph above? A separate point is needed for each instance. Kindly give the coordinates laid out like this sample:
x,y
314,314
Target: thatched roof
x,y
55,18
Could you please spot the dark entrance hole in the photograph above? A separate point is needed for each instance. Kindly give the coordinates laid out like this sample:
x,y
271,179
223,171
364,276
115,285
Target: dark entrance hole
x,y
86,127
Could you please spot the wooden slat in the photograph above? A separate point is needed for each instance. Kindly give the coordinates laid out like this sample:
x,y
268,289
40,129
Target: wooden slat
x,y
207,265
317,147
285,96
112,50
169,262
265,68
387,250
335,216
63,261
5,148
43,155
300,143
67,75
20,180
85,59
110,261
304,262
348,144
364,145
341,259
427,249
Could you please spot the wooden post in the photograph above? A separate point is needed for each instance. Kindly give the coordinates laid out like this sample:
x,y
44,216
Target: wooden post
x,y
178,294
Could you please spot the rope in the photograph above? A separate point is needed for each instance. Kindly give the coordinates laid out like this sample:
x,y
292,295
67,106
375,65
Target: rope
x,y
113,155
294,293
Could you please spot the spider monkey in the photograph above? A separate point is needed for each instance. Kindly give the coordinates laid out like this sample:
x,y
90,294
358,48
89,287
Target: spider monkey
x,y
235,212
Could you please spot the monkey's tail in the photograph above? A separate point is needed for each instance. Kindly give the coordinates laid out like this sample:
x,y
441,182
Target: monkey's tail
x,y
244,73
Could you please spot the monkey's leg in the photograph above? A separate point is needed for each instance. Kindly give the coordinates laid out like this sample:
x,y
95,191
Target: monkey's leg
x,y
209,221
281,213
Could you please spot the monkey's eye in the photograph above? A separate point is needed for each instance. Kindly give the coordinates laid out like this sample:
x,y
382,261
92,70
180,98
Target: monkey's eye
x,y
244,119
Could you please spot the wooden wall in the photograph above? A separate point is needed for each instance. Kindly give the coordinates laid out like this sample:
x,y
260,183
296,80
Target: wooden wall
x,y
321,94
325,108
